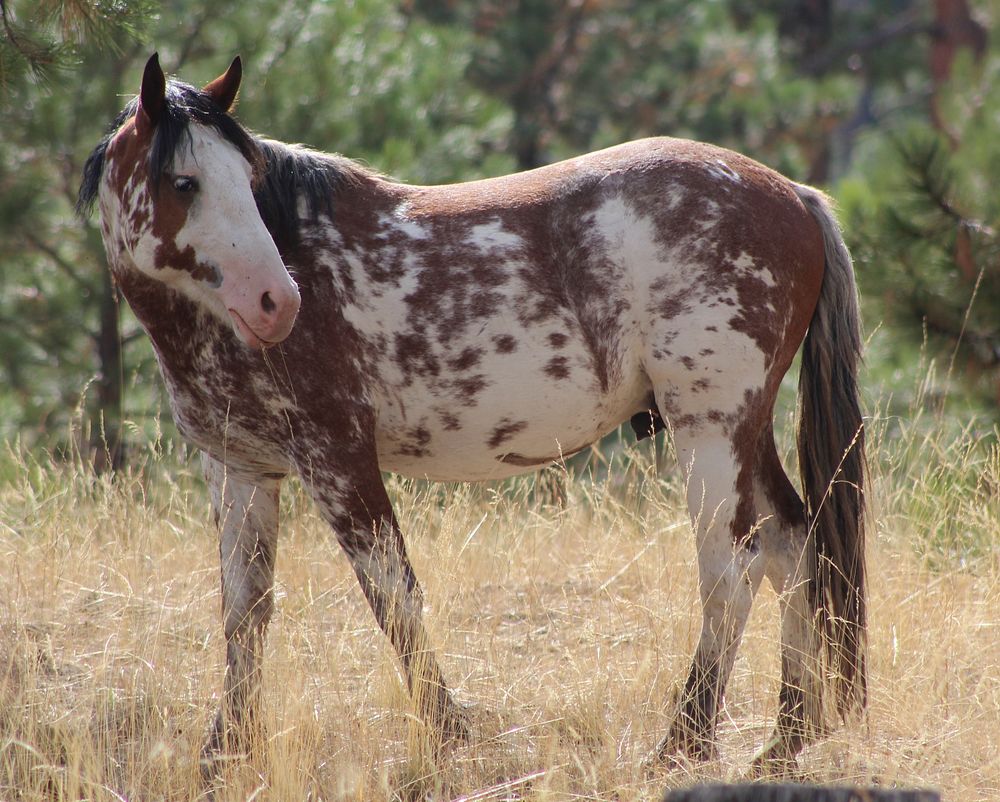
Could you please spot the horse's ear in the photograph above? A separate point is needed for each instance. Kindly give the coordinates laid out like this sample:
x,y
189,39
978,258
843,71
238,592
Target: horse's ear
x,y
223,90
152,96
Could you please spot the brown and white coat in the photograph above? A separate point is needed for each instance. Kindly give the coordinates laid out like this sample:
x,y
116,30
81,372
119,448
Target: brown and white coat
x,y
310,316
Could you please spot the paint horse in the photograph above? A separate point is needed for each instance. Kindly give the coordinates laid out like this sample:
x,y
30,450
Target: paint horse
x,y
309,315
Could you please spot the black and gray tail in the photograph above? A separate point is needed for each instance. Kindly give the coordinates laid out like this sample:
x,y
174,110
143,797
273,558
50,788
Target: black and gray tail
x,y
831,445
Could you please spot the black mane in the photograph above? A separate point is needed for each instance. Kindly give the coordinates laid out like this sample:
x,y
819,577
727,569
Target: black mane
x,y
282,173
292,173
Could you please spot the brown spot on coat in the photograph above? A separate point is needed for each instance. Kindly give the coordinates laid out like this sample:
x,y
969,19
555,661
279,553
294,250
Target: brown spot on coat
x,y
557,367
416,445
504,431
505,344
415,356
450,421
513,458
469,388
522,461
469,358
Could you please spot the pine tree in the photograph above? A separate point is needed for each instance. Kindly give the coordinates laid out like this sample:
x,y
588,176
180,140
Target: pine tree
x,y
39,38
923,214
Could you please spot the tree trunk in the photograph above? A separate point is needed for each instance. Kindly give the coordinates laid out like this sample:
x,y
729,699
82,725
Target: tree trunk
x,y
106,427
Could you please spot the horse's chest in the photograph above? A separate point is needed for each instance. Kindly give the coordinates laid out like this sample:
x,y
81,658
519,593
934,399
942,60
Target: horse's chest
x,y
229,415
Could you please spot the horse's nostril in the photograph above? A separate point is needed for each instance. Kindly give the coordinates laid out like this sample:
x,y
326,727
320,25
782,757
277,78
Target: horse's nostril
x,y
267,304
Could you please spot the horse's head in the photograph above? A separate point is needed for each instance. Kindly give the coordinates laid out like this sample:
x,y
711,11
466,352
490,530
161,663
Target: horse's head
x,y
175,184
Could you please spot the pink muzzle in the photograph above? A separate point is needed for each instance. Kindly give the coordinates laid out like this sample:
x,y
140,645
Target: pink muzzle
x,y
263,316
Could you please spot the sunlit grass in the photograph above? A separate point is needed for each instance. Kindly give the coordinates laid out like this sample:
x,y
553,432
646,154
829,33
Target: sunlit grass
x,y
565,619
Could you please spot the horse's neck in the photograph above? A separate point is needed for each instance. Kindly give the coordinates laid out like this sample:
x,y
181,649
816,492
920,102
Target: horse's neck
x,y
173,322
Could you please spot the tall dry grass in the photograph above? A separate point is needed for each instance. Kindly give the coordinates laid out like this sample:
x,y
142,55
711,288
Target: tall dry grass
x,y
567,628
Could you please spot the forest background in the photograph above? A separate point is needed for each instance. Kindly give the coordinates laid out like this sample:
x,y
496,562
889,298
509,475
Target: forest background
x,y
893,106
110,648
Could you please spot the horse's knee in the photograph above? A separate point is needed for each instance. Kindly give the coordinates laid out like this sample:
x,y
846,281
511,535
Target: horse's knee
x,y
243,617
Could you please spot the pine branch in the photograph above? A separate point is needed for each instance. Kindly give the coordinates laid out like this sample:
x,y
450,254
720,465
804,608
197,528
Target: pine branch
x,y
57,260
38,56
57,29
930,175
133,336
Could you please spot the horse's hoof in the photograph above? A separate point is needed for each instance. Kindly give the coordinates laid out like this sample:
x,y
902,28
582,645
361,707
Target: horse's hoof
x,y
454,726
670,762
696,748
227,744
680,754
776,761
768,769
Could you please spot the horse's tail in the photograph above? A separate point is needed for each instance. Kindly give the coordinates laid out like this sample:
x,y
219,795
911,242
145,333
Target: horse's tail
x,y
831,445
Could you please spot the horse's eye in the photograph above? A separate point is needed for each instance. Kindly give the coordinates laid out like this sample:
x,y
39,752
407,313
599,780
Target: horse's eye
x,y
185,183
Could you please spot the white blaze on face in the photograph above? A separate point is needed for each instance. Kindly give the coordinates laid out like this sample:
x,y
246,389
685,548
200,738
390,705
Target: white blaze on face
x,y
247,284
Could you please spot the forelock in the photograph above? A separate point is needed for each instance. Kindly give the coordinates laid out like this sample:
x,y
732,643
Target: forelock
x,y
184,104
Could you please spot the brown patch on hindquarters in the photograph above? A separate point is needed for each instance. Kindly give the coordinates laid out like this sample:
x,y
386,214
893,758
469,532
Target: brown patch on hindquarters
x,y
756,252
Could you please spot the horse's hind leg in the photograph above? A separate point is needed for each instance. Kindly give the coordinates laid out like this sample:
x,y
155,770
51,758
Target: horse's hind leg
x,y
785,549
720,502
247,515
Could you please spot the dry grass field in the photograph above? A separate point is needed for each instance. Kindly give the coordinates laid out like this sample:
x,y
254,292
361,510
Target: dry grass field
x,y
567,628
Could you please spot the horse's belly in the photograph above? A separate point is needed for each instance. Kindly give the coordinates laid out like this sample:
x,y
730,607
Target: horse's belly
x,y
513,427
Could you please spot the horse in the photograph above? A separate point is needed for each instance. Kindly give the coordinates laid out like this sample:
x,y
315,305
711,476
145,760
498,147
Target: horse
x,y
309,315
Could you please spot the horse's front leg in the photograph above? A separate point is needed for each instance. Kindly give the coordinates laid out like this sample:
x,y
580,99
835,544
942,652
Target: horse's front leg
x,y
247,515
358,508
